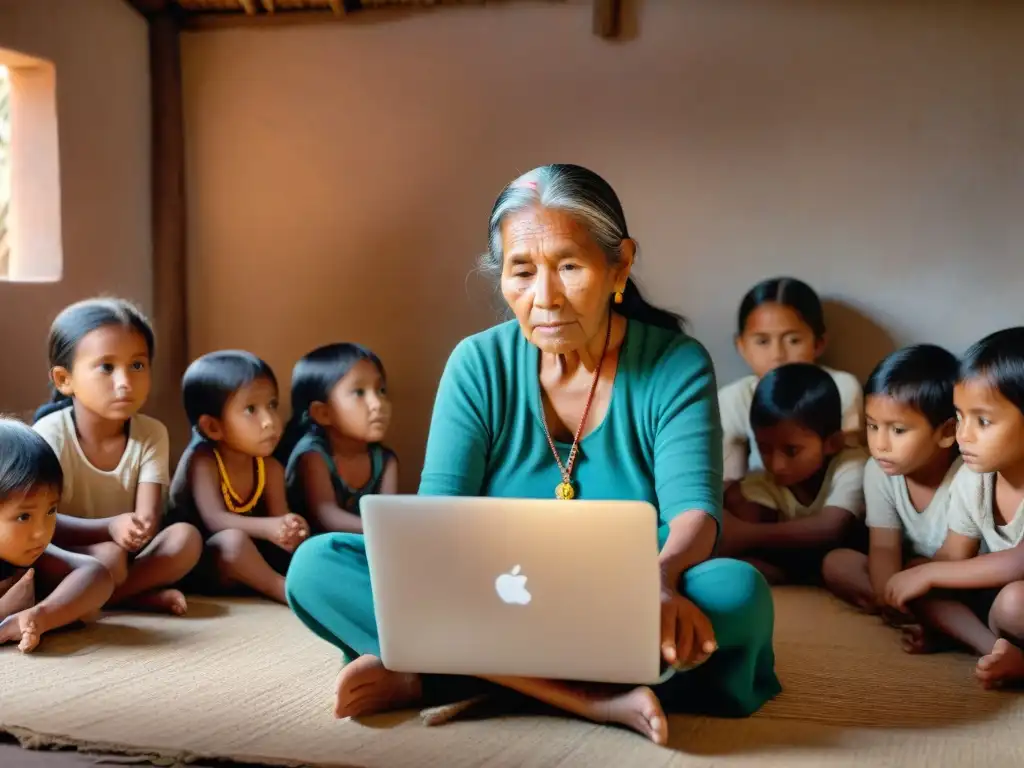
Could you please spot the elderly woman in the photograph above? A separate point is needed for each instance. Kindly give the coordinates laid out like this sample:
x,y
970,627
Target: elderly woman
x,y
590,393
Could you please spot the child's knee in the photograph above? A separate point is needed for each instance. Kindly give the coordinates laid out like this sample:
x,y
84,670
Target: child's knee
x,y
840,566
101,576
1007,614
230,545
184,541
114,559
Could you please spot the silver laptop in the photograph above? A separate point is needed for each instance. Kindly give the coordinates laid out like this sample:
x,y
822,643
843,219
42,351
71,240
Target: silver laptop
x,y
524,587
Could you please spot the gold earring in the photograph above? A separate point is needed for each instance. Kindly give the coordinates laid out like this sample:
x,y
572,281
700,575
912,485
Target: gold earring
x,y
618,297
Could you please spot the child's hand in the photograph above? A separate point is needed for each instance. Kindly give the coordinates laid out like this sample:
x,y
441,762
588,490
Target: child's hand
x,y
906,586
150,524
292,532
22,628
298,530
129,532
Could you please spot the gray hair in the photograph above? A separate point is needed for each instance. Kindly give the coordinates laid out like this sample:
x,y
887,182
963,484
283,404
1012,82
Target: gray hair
x,y
594,204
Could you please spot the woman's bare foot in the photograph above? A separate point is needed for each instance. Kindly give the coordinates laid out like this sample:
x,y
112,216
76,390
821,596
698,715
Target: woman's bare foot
x,y
365,687
1004,664
639,710
170,601
21,596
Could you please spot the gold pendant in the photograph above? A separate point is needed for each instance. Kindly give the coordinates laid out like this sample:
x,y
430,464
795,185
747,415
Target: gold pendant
x,y
565,491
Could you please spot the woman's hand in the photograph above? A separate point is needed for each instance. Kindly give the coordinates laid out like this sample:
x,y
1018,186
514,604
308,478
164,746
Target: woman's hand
x,y
907,586
687,638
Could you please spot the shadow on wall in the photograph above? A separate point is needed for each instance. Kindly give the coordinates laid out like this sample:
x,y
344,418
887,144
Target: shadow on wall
x,y
857,342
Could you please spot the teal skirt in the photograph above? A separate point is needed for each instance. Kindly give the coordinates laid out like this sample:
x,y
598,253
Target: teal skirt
x,y
328,588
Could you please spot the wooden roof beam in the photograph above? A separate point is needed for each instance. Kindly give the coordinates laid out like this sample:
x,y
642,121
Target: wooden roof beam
x,y
148,7
608,18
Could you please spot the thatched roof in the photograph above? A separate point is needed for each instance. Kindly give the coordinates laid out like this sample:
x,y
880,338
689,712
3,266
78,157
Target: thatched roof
x,y
267,7
215,13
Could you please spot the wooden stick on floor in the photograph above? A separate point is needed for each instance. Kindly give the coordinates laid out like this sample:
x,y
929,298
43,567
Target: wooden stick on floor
x,y
447,712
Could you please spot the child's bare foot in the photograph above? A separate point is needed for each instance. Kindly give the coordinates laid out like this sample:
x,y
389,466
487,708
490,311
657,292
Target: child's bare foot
x,y
170,601
365,687
916,639
1004,664
865,605
21,596
897,619
640,710
21,628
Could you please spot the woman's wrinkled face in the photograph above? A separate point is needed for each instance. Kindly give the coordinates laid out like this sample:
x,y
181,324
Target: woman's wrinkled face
x,y
557,280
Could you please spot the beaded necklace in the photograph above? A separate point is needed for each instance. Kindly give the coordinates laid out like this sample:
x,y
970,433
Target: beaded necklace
x,y
565,490
232,500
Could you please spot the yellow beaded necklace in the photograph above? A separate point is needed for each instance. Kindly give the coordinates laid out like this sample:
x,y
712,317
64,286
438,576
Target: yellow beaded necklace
x,y
232,500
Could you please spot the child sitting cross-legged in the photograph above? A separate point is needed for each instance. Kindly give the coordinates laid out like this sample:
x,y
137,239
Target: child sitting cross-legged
x,y
809,499
332,450
42,587
978,599
781,320
911,426
228,484
115,460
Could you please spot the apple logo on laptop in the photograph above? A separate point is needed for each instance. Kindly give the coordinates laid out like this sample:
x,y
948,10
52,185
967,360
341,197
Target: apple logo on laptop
x,y
511,588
